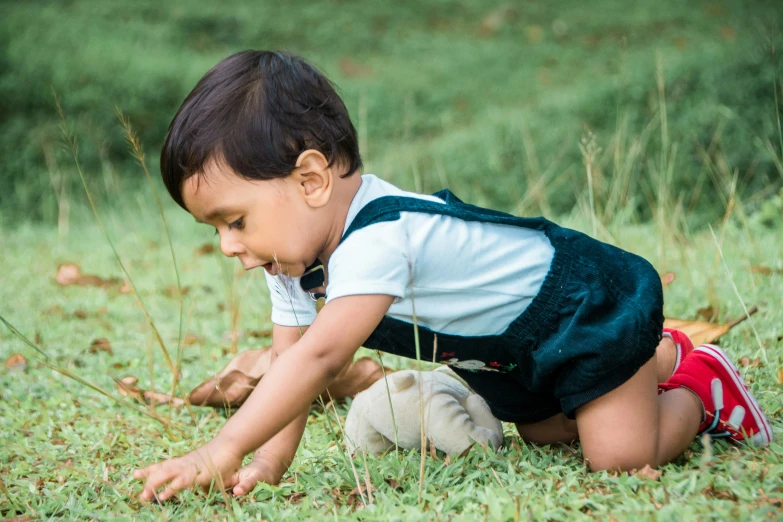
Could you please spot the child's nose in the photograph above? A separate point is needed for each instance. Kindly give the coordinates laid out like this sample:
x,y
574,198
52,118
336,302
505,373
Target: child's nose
x,y
230,247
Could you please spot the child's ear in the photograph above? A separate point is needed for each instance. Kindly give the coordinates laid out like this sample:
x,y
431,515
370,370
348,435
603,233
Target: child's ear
x,y
314,178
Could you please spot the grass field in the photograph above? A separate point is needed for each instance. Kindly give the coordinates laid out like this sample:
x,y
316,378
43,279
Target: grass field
x,y
640,126
69,451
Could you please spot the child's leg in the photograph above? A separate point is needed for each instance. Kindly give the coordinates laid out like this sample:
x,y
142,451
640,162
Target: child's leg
x,y
561,429
632,426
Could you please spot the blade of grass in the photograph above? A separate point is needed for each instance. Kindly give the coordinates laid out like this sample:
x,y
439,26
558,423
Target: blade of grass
x,y
138,152
70,140
68,373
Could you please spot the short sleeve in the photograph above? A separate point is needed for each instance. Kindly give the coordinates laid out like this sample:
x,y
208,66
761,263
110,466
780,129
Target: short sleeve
x,y
291,305
372,260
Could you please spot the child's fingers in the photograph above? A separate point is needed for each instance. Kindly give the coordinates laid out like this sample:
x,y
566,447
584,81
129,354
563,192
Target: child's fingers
x,y
160,475
246,481
176,485
143,473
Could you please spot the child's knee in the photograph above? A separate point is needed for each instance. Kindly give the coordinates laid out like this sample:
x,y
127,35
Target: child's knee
x,y
621,461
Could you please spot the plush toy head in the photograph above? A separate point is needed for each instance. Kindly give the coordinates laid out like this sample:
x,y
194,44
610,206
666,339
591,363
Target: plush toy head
x,y
454,416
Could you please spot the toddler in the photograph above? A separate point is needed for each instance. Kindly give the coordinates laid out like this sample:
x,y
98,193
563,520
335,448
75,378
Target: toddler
x,y
560,333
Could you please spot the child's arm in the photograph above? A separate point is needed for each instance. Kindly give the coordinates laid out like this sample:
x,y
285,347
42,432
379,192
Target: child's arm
x,y
271,461
295,379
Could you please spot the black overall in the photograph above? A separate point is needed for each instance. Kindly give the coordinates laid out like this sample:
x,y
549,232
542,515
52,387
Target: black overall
x,y
596,320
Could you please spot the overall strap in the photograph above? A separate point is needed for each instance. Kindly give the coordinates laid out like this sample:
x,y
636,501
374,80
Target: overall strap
x,y
388,208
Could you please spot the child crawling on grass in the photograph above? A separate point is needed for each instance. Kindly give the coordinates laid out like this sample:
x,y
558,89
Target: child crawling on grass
x,y
560,334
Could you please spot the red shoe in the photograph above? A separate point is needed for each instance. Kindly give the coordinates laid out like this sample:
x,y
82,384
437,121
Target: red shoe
x,y
730,410
682,342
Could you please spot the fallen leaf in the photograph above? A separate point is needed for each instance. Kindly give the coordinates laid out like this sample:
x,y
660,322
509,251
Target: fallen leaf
x,y
727,33
16,362
173,292
101,345
296,497
354,69
722,494
765,270
71,274
127,388
649,473
189,340
744,361
668,278
702,332
708,313
393,483
362,488
206,248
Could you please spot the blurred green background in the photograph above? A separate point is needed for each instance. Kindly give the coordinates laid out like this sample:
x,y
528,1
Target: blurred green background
x,y
489,98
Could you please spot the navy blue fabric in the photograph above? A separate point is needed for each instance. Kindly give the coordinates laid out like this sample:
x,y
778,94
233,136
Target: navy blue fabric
x,y
596,320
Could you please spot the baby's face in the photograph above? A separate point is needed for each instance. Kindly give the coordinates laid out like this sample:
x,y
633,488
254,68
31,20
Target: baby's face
x,y
263,223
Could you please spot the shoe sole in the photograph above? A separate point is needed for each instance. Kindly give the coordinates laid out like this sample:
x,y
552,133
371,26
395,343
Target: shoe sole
x,y
764,436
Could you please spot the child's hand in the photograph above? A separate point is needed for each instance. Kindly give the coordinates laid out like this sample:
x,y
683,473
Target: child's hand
x,y
260,470
198,468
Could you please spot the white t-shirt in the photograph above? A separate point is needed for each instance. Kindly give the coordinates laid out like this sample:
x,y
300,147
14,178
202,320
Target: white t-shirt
x,y
464,278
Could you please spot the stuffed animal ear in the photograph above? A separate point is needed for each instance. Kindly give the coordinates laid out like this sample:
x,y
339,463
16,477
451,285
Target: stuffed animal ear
x,y
401,380
445,369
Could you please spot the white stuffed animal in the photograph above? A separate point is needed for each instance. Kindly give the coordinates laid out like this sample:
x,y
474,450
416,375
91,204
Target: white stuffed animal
x,y
454,416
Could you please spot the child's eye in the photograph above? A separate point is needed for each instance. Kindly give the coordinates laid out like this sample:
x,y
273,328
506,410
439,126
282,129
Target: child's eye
x,y
236,224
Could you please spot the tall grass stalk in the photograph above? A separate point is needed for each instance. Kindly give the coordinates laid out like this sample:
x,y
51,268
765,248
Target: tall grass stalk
x,y
70,141
762,350
138,153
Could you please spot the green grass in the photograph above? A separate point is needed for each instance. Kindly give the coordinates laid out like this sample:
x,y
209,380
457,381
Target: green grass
x,y
682,101
484,91
69,451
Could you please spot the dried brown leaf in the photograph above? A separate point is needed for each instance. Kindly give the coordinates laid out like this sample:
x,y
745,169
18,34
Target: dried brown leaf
x,y
433,450
649,472
668,278
206,248
173,291
353,69
765,270
362,488
16,362
721,494
702,332
393,483
70,274
101,345
708,313
189,340
127,388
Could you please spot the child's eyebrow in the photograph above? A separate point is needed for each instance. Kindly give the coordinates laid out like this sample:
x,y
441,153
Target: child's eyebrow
x,y
219,211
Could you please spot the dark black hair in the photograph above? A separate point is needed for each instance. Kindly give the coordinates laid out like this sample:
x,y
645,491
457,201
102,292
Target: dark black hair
x,y
257,111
